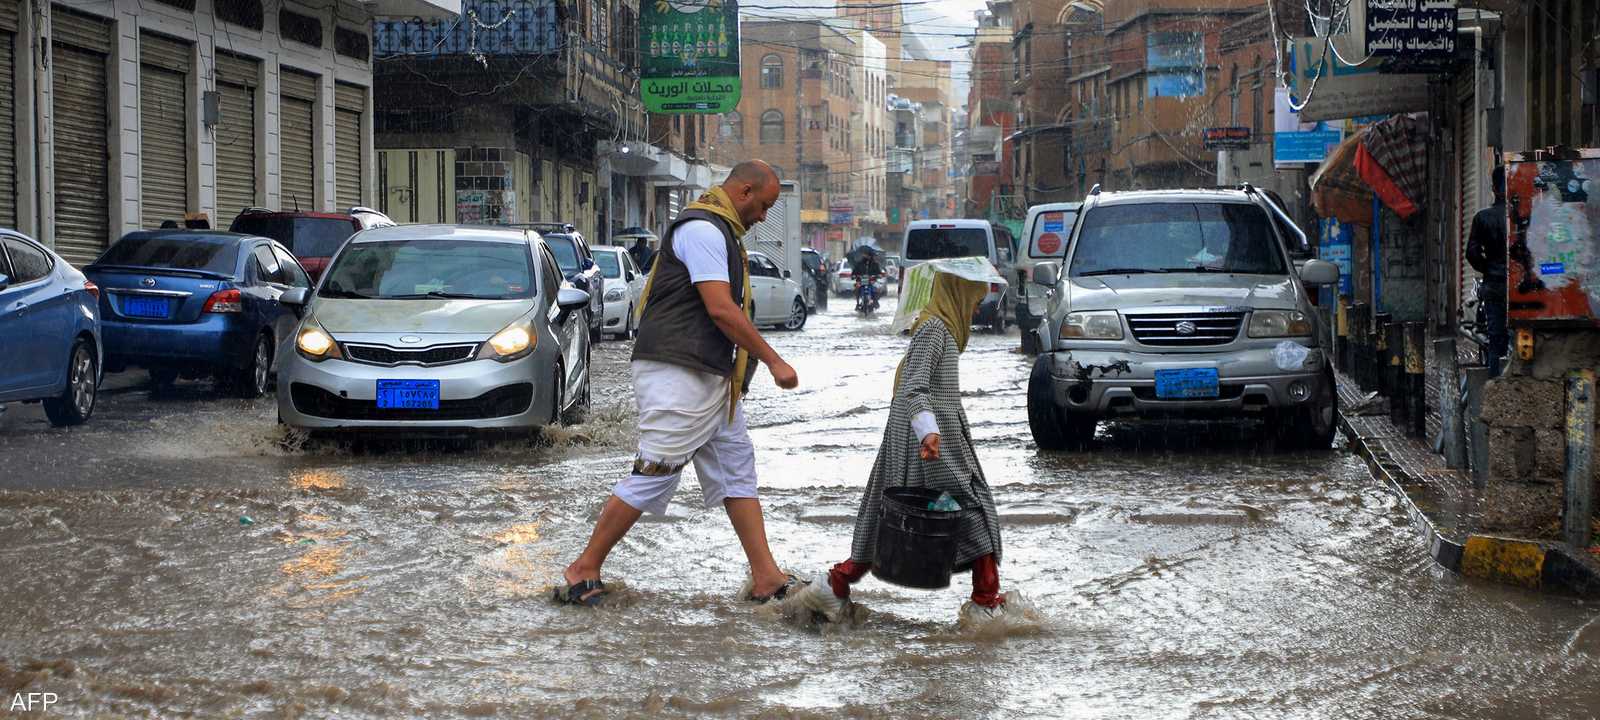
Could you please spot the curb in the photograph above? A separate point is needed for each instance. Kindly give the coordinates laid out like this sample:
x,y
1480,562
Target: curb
x,y
1523,563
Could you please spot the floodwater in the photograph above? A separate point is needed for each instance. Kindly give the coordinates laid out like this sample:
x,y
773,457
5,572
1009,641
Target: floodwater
x,y
177,557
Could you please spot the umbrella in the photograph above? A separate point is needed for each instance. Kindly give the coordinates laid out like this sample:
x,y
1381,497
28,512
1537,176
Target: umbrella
x,y
859,252
1337,189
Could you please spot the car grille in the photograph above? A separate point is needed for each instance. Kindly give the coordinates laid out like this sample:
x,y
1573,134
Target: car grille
x,y
1209,328
500,402
383,355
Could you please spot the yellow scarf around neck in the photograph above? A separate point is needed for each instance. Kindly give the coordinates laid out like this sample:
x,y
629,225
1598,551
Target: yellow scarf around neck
x,y
717,202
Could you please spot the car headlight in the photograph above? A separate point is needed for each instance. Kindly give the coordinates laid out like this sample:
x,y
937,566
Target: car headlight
x,y
315,344
614,294
513,342
1279,323
1098,325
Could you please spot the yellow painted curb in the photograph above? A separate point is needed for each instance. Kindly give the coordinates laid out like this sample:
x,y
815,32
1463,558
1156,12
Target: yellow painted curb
x,y
1514,562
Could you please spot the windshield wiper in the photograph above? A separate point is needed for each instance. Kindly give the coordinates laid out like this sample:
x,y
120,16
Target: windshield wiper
x,y
347,294
1121,271
1199,269
442,294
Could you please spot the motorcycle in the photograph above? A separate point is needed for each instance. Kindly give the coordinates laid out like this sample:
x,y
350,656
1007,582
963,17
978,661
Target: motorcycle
x,y
866,295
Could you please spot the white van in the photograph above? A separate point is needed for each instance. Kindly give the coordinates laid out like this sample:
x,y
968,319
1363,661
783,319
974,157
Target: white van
x,y
1046,231
935,239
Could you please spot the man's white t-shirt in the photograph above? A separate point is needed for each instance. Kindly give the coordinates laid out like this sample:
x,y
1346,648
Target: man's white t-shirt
x,y
701,248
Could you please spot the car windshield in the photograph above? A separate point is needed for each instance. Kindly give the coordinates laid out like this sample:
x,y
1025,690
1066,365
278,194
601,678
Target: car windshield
x,y
565,250
403,269
609,265
934,243
306,237
1176,237
209,253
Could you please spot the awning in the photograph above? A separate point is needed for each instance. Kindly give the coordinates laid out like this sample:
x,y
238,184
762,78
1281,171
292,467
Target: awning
x,y
1337,190
425,9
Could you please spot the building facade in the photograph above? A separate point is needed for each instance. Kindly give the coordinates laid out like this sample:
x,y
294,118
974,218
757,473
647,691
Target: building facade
x,y
125,114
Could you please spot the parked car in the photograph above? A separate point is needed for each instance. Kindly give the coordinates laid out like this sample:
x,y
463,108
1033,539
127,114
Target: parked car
x,y
934,239
1181,303
1046,231
577,263
891,267
196,303
313,237
626,238
556,228
50,319
624,285
437,328
776,297
814,286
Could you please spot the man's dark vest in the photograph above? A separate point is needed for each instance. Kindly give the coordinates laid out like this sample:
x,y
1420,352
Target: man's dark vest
x,y
675,327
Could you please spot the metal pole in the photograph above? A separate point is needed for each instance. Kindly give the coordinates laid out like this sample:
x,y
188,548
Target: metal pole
x,y
1395,373
1580,459
1451,429
1478,432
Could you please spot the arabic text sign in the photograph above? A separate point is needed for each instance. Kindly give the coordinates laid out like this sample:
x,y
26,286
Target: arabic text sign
x,y
1414,28
690,60
1346,91
1306,146
1228,138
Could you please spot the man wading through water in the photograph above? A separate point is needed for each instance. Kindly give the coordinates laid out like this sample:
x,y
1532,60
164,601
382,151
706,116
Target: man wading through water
x,y
687,381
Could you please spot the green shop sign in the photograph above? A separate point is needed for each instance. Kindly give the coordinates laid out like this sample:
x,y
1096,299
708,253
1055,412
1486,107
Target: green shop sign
x,y
691,56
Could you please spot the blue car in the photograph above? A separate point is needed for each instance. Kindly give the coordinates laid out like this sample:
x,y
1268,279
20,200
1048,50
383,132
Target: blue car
x,y
196,303
49,331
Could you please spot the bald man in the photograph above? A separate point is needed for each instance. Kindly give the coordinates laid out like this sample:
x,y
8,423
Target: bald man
x,y
683,384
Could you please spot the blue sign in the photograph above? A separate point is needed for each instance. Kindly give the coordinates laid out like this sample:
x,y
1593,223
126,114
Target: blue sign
x,y
1337,239
1552,268
1304,146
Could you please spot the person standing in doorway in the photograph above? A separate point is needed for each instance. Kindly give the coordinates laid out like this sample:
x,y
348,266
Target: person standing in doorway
x,y
691,365
1486,252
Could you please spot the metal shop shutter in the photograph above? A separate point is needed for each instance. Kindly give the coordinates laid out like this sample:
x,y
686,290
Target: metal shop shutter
x,y
1466,186
8,118
163,130
298,157
349,101
237,78
81,148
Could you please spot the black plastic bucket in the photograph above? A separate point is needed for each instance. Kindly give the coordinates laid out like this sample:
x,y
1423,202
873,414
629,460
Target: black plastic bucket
x,y
916,546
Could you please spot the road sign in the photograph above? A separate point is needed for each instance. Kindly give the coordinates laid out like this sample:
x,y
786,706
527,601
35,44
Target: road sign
x,y
690,52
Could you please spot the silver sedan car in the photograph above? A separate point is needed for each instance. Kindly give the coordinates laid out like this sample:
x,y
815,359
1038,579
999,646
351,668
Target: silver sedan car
x,y
436,328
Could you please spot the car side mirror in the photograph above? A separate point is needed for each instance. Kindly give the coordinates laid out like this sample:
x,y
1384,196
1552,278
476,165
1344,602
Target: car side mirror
x,y
569,299
631,276
588,264
1045,274
788,274
5,281
1319,272
295,297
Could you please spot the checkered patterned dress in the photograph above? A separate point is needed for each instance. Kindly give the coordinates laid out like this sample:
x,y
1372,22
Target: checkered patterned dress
x,y
930,381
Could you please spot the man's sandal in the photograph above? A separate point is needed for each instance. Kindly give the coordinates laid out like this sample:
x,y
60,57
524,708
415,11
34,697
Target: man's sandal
x,y
589,593
782,592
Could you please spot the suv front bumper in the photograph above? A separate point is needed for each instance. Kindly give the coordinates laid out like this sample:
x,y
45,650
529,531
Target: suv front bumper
x,y
1107,383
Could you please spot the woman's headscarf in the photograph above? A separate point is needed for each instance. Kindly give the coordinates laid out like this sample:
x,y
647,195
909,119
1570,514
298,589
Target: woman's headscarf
x,y
953,300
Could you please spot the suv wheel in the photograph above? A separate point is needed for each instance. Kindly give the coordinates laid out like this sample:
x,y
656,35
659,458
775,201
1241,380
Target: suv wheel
x,y
1311,427
1052,428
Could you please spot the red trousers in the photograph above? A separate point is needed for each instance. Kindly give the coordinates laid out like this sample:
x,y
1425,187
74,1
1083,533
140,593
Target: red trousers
x,y
985,580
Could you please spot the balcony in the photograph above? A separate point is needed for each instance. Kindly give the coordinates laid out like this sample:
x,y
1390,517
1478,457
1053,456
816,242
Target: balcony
x,y
530,27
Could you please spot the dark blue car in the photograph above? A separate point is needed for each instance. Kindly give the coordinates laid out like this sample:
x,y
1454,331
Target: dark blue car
x,y
49,331
196,303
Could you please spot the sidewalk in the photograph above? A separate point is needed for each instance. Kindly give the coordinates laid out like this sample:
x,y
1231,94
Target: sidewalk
x,y
1443,503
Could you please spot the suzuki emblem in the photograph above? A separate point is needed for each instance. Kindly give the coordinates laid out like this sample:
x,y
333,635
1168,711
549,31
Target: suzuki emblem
x,y
410,339
148,282
1185,328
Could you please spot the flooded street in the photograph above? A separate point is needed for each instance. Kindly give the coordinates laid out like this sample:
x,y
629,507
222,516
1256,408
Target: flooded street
x,y
179,556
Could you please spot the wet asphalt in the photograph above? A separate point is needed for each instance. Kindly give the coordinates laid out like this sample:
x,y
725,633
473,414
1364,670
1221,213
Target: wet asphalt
x,y
183,556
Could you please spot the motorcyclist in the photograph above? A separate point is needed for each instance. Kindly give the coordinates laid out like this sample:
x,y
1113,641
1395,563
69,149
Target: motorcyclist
x,y
866,270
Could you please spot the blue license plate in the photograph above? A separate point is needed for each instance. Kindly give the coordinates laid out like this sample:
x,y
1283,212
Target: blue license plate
x,y
144,307
1187,383
408,394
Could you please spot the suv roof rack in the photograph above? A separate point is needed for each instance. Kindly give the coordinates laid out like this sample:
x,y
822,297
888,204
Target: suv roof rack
x,y
1095,190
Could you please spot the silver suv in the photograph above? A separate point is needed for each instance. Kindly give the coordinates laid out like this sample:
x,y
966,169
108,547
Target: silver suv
x,y
1181,302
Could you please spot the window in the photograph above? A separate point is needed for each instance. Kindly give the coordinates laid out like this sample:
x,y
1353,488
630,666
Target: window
x,y
732,128
406,269
297,275
1177,237
772,127
771,71
267,267
212,253
549,274
27,262
762,267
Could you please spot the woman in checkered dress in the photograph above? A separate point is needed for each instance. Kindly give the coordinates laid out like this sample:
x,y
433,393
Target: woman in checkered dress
x,y
928,444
